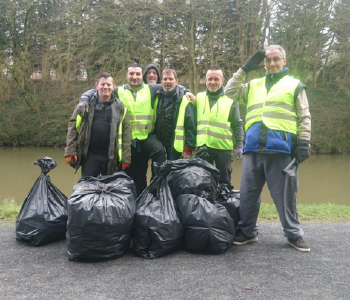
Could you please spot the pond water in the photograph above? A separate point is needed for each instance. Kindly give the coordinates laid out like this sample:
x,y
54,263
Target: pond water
x,y
322,178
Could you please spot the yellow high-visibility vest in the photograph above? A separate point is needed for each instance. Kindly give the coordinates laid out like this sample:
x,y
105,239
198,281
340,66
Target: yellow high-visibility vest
x,y
120,136
140,111
213,126
179,140
276,109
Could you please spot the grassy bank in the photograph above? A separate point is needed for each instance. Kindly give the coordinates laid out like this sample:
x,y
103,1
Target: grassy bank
x,y
310,212
307,212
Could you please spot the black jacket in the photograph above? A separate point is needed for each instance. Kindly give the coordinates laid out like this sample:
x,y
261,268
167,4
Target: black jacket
x,y
190,122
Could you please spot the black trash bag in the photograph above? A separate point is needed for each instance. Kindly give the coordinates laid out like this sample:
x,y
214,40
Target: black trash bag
x,y
208,227
100,217
43,216
292,169
202,152
157,228
193,176
230,199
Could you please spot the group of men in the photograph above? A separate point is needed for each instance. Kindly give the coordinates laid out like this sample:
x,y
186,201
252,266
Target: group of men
x,y
123,127
163,124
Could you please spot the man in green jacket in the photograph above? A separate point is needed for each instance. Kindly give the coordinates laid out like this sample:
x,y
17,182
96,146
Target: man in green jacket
x,y
218,124
99,139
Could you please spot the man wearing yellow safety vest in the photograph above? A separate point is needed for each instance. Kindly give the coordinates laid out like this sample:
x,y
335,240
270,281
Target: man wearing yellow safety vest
x,y
218,123
99,140
175,115
278,129
137,97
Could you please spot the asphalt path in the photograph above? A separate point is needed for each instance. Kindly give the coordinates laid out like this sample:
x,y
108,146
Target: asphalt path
x,y
268,269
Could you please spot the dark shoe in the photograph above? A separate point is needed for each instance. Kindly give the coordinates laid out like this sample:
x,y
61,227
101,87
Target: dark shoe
x,y
298,244
241,239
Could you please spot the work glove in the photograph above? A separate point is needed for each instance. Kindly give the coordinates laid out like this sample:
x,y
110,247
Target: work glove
x,y
83,103
71,160
239,152
254,61
302,151
124,166
187,152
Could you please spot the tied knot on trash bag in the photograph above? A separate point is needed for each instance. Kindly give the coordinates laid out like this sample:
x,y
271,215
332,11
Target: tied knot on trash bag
x,y
230,199
163,169
202,152
46,164
193,176
100,217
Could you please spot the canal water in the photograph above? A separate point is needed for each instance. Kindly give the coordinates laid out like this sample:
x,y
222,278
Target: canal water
x,y
322,178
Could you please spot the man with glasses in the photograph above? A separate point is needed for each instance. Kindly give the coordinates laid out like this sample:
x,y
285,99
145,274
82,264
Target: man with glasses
x,y
278,129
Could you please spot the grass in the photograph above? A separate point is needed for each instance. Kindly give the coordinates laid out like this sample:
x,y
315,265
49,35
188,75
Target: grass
x,y
307,212
9,211
310,212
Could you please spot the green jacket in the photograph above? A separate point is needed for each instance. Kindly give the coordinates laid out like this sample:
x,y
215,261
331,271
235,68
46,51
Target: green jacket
x,y
77,142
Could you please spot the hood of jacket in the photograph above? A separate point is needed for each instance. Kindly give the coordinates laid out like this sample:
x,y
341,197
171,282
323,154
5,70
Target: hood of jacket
x,y
150,66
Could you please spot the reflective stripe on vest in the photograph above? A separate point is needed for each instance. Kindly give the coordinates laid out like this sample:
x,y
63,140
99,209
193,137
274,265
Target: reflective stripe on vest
x,y
179,140
140,111
120,136
275,109
78,122
213,127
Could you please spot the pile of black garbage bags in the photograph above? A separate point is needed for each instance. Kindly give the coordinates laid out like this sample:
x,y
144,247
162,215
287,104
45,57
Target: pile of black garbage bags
x,y
102,219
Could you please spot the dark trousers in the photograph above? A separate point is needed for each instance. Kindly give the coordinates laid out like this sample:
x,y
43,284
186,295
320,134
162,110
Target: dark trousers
x,y
94,165
151,148
223,162
154,150
257,169
172,154
138,170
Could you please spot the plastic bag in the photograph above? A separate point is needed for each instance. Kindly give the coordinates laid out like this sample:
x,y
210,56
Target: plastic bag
x,y
208,227
193,176
100,217
292,169
157,228
43,216
230,199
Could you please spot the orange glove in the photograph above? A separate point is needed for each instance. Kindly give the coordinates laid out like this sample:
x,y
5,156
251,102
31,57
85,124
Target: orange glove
x,y
71,159
187,152
125,166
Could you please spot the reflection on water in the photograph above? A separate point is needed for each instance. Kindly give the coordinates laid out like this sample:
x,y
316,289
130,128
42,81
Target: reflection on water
x,y
18,173
322,178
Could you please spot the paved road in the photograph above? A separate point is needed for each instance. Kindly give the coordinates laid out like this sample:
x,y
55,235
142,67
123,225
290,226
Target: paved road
x,y
268,269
